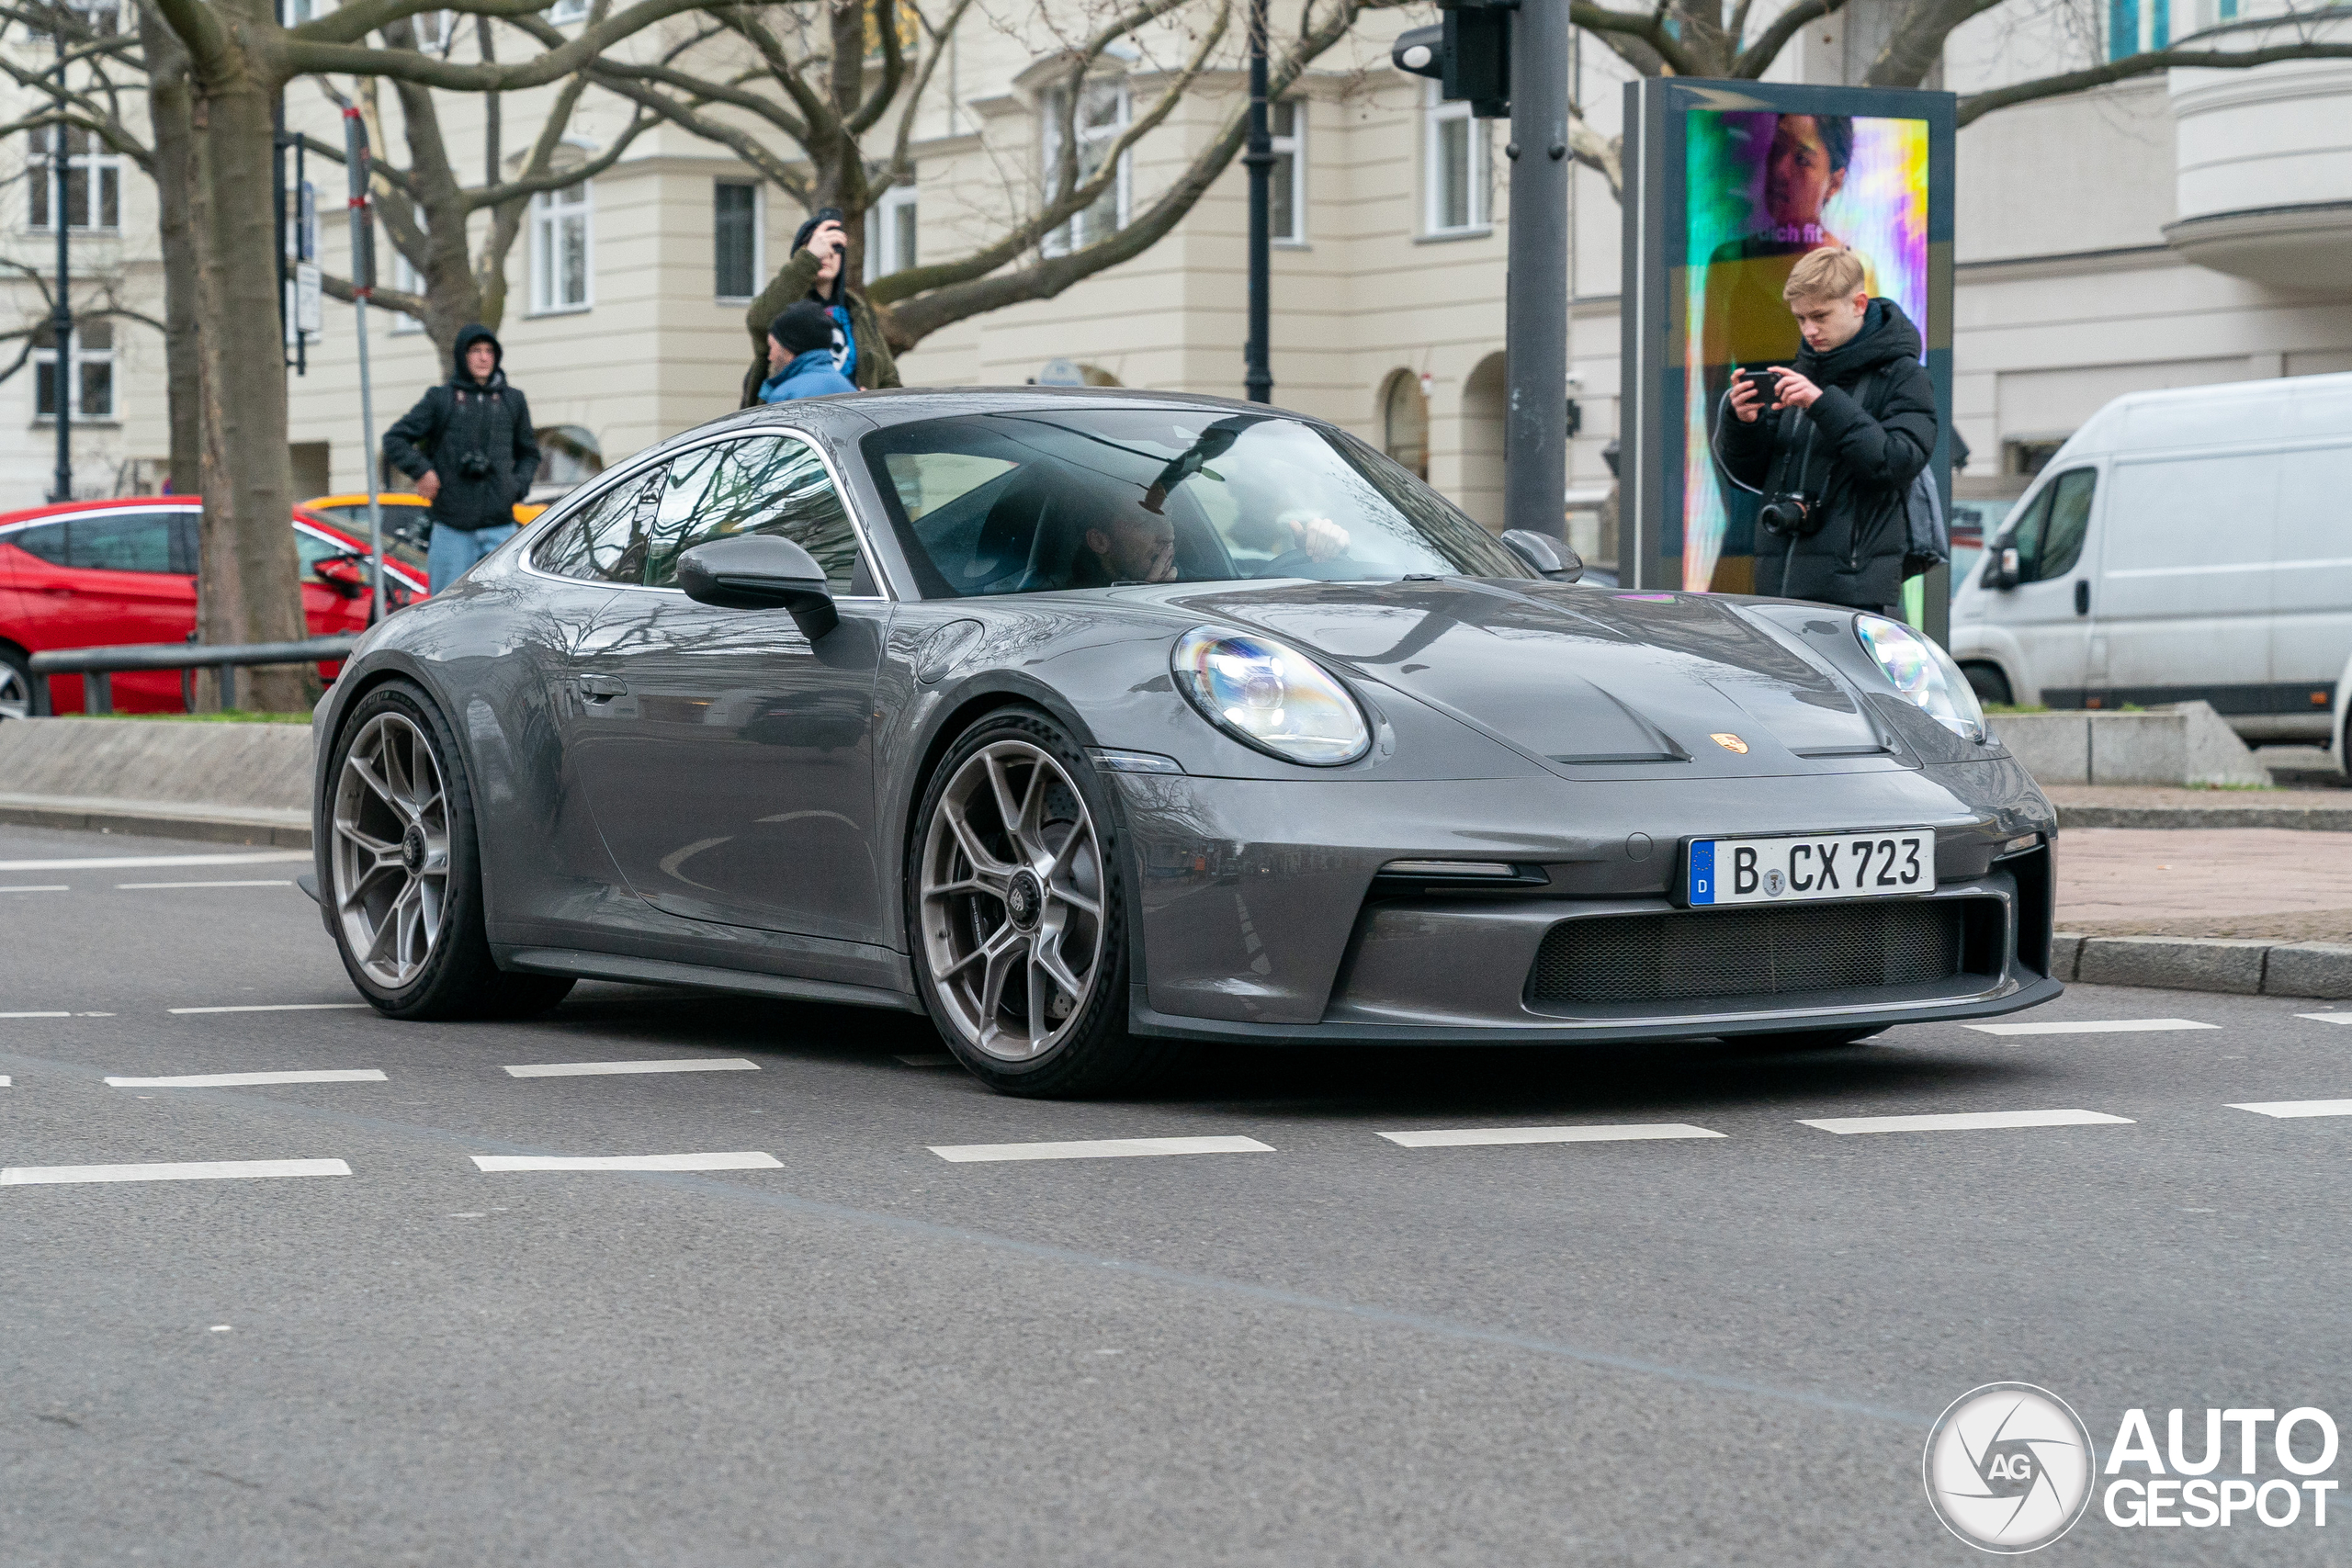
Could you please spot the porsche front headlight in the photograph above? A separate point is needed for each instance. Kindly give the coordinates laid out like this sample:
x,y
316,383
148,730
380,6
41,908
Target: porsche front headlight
x,y
1924,673
1270,696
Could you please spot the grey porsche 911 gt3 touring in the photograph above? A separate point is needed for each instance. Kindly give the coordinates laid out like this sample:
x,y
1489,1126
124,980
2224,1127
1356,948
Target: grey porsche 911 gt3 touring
x,y
1094,723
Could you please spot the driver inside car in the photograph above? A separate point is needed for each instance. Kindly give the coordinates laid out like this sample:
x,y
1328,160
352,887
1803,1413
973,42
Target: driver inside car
x,y
1126,544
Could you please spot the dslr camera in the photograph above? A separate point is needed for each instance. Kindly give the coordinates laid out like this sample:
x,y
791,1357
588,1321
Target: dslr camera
x,y
1788,515
473,466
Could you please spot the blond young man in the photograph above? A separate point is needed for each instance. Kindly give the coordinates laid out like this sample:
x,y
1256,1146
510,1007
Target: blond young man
x,y
1832,442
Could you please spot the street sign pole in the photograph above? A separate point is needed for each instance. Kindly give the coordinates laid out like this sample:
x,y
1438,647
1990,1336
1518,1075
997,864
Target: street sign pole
x,y
1258,374
1535,309
61,318
363,281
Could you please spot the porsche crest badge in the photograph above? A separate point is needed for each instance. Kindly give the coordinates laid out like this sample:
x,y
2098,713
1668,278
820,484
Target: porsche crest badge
x,y
1730,743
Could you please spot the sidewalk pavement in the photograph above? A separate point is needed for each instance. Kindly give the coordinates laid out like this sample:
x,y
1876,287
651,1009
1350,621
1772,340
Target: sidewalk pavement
x,y
2128,806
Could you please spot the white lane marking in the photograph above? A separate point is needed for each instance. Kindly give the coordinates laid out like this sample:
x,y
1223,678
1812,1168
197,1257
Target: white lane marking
x,y
130,863
1966,1122
1101,1148
281,1007
3,1080
745,1161
2102,1026
2287,1107
136,887
36,1015
929,1059
2321,1017
47,887
1467,1138
683,1064
203,1170
238,1080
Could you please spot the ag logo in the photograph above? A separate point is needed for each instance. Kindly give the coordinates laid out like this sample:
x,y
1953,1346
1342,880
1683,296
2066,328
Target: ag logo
x,y
2008,1468
1730,743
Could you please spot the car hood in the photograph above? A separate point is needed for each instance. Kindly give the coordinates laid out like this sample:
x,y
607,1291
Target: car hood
x,y
1591,682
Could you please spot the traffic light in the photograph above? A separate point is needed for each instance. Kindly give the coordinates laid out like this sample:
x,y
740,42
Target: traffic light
x,y
1468,53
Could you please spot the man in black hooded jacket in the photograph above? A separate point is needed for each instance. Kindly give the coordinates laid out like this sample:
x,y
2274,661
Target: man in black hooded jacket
x,y
1833,446
469,449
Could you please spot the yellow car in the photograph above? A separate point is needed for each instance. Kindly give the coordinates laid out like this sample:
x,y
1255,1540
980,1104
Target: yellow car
x,y
403,512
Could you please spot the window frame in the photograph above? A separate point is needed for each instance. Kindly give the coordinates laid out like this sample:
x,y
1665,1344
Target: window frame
x,y
99,169
1478,203
1292,147
406,279
897,200
46,360
588,495
759,236
1074,235
547,218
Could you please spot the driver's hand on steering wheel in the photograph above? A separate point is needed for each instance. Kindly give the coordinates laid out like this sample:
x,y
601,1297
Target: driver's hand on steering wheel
x,y
1321,538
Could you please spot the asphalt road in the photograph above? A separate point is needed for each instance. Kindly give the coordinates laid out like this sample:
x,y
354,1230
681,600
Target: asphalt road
x,y
1335,1349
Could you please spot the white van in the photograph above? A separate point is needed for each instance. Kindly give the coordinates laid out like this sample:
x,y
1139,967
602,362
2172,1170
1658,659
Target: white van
x,y
2183,544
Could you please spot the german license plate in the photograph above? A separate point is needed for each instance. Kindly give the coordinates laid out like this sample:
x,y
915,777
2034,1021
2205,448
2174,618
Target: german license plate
x,y
1810,866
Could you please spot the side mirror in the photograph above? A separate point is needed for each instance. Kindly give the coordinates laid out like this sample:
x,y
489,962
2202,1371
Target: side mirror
x,y
1544,554
760,571
343,575
2003,570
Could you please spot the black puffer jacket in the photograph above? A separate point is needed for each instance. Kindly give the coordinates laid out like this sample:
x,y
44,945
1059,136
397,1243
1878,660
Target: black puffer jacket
x,y
453,423
1857,465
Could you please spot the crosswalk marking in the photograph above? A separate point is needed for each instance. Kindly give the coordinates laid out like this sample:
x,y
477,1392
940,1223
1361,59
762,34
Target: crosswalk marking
x,y
748,1160
2102,1026
1101,1148
2294,1107
678,1065
239,1080
201,1170
1467,1137
1964,1122
278,1007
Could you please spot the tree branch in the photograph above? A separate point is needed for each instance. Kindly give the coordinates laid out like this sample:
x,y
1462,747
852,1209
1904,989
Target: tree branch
x,y
1757,58
1976,106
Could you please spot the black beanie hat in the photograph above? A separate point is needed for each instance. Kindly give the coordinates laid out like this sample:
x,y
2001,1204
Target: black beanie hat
x,y
803,327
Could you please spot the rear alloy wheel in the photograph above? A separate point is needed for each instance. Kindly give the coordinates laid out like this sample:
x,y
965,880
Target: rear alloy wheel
x,y
402,875
16,685
1018,928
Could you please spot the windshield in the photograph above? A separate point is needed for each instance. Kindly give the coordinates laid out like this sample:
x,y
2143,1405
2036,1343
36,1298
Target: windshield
x,y
1031,501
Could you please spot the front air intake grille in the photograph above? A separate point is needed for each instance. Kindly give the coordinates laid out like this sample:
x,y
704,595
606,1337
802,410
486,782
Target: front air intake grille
x,y
1688,956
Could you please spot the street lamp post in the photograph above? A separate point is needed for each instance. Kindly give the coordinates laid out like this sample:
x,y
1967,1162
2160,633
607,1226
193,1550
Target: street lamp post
x,y
61,315
1535,312
1257,376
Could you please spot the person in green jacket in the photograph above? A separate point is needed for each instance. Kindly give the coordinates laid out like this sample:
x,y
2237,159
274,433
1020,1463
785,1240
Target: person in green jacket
x,y
815,272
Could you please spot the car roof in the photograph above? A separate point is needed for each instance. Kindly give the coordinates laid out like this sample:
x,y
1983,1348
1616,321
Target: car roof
x,y
117,503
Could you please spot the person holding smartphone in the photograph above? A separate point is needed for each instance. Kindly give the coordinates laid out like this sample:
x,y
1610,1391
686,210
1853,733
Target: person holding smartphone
x,y
819,271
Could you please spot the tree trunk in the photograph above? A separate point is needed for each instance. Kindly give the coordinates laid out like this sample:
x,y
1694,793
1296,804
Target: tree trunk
x,y
168,103
250,590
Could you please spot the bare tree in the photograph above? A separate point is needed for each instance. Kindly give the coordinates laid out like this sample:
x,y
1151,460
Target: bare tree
x,y
823,102
1714,39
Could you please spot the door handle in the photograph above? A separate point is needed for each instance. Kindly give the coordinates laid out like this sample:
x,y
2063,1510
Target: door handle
x,y
2081,597
59,593
597,688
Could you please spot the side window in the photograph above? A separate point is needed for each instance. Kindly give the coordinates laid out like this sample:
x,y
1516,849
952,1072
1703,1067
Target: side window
x,y
2070,520
187,541
46,540
139,542
606,541
761,484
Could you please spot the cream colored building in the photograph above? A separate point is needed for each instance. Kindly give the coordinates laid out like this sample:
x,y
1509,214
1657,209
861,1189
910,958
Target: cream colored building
x,y
2154,233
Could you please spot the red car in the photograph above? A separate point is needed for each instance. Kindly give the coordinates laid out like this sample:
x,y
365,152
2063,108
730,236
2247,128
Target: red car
x,y
92,574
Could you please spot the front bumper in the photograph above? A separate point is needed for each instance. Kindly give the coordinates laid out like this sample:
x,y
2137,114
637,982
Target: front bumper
x,y
1263,918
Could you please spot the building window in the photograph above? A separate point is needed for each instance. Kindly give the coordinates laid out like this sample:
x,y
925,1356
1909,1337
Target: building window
x,y
735,243
406,279
1286,181
434,29
1101,120
301,11
2135,25
92,181
1405,423
91,383
1456,168
890,232
560,246
564,11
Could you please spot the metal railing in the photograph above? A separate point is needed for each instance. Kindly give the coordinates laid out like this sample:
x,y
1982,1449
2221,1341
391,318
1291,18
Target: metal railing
x,y
98,666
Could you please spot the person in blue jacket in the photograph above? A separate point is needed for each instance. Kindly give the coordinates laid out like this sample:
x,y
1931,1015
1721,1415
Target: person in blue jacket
x,y
800,356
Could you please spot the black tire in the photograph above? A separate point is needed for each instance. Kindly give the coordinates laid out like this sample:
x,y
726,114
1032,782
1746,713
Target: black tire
x,y
400,736
1087,1050
1990,685
16,685
1808,1039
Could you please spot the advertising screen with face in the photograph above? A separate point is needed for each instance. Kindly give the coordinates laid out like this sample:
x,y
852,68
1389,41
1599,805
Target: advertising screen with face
x,y
1762,190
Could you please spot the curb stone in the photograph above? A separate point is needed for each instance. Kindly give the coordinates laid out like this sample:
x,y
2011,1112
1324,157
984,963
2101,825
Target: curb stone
x,y
271,829
2204,964
2306,818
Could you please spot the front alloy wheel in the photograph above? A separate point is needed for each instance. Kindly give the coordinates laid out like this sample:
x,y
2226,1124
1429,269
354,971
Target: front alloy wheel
x,y
1012,901
390,855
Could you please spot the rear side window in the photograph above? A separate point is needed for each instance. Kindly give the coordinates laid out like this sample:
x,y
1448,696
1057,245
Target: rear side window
x,y
2049,534
761,484
46,540
139,542
606,540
